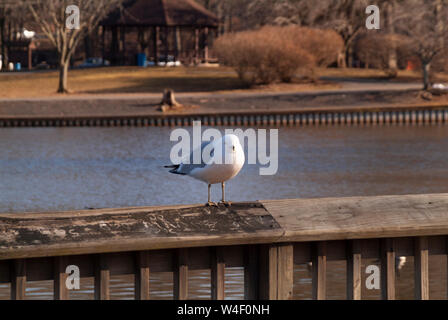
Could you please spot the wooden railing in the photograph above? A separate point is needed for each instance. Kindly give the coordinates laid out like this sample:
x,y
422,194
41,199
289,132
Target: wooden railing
x,y
267,238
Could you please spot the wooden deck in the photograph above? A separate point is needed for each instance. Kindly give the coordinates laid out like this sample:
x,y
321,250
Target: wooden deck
x,y
267,238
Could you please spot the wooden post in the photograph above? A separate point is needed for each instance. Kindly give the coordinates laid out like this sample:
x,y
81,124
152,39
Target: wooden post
x,y
319,259
251,273
181,275
18,279
102,278
353,270
285,271
217,274
60,278
387,269
142,276
421,271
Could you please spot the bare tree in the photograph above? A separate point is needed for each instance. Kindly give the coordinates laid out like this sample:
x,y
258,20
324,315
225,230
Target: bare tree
x,y
421,22
51,17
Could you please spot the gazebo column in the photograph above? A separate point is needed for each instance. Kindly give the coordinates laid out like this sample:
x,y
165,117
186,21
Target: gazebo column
x,y
103,44
196,46
206,45
114,45
178,43
123,45
30,56
167,43
156,44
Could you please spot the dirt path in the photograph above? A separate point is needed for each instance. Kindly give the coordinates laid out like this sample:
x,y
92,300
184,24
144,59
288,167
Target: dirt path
x,y
354,94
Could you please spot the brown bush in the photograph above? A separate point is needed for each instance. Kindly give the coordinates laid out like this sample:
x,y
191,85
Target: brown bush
x,y
276,53
374,49
323,44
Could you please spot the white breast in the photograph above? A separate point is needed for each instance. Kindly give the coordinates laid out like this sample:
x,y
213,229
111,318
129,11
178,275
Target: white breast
x,y
217,173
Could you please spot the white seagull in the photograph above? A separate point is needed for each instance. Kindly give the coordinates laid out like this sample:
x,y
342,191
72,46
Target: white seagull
x,y
232,161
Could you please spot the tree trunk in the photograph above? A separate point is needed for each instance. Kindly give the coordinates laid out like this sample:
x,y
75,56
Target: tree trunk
x,y
63,71
393,65
168,98
426,69
341,60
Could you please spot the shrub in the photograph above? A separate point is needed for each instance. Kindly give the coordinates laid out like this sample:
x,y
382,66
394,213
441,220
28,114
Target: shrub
x,y
374,49
323,44
275,53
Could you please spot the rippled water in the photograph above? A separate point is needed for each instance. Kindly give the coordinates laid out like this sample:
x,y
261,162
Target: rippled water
x,y
44,169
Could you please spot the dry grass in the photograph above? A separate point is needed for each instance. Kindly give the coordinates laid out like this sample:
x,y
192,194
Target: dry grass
x,y
403,75
127,80
135,80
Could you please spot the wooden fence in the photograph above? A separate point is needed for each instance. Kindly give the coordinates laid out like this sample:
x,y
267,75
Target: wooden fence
x,y
267,238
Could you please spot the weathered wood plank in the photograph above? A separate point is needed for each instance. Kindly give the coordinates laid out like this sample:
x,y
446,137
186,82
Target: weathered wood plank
x,y
268,272
141,278
217,274
319,260
102,278
360,217
18,279
387,269
180,278
285,271
134,229
421,268
60,290
354,270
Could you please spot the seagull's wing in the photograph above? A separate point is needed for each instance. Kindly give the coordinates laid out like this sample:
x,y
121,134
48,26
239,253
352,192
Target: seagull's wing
x,y
185,169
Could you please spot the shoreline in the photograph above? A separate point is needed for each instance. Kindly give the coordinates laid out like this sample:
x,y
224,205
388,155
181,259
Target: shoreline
x,y
374,114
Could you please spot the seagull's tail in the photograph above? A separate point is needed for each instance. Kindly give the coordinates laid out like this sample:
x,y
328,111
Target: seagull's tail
x,y
173,168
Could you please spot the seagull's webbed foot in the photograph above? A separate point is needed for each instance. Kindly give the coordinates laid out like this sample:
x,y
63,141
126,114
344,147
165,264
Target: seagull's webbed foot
x,y
225,203
211,204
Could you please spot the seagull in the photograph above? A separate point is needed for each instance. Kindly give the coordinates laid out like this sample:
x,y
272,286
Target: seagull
x,y
213,173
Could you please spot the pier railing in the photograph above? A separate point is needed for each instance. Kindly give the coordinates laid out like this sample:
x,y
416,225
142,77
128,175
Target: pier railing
x,y
266,238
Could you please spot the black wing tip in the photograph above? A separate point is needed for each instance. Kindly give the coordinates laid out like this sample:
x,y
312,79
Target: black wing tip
x,y
174,169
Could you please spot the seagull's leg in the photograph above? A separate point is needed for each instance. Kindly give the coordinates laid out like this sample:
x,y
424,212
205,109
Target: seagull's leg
x,y
223,188
223,201
210,203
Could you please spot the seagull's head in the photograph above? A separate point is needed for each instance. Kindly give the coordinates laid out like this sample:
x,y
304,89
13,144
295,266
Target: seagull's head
x,y
232,144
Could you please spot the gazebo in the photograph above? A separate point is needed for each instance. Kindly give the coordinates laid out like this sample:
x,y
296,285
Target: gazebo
x,y
160,28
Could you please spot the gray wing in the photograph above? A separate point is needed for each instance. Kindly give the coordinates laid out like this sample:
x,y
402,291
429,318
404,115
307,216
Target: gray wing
x,y
187,168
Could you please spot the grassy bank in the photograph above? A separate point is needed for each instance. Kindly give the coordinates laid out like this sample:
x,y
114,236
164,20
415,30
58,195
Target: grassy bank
x,y
136,80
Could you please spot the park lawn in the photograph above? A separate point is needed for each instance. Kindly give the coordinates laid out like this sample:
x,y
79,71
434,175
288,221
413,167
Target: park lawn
x,y
128,80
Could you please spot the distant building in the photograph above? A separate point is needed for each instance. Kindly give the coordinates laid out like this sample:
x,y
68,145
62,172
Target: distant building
x,y
161,29
181,29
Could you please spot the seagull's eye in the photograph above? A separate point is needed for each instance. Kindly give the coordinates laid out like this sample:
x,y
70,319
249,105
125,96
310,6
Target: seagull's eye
x,y
233,148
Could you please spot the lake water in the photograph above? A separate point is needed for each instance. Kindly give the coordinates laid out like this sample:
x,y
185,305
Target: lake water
x,y
47,169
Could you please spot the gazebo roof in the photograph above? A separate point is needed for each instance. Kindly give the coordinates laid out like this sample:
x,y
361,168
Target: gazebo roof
x,y
161,13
